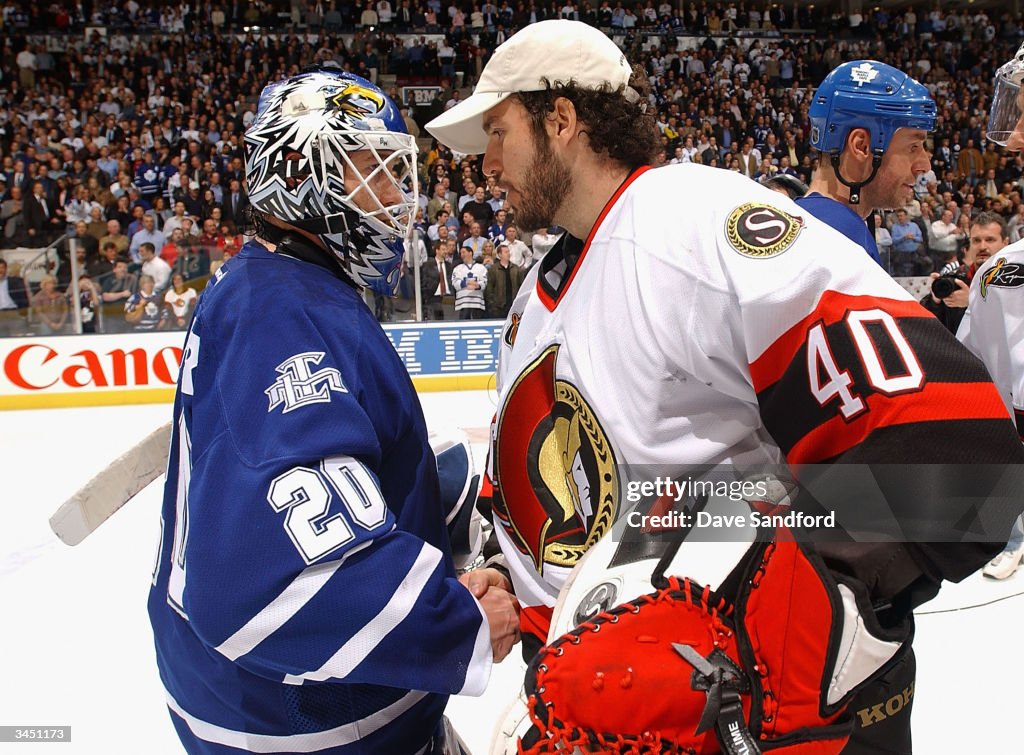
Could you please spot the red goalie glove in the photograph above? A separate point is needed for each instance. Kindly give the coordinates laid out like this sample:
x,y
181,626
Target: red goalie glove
x,y
766,663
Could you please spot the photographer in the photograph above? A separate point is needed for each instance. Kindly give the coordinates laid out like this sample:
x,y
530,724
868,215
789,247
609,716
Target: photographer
x,y
948,297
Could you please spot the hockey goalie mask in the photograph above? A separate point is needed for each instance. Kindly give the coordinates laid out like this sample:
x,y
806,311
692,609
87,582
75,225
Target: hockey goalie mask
x,y
1006,117
328,152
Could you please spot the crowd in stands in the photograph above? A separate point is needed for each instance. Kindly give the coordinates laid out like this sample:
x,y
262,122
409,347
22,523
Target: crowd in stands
x,y
131,143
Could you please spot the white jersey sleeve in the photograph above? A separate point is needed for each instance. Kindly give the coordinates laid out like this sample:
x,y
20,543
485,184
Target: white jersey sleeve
x,y
993,327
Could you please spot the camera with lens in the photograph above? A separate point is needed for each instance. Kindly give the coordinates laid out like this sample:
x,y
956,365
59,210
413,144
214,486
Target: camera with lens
x,y
945,285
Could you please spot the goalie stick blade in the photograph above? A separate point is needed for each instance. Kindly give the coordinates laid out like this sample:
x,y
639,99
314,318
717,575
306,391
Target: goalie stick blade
x,y
112,488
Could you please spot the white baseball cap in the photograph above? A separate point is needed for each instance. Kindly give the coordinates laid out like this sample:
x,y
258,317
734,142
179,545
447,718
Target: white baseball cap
x,y
556,50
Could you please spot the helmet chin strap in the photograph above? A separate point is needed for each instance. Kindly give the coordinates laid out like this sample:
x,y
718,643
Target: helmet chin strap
x,y
301,247
855,186
337,224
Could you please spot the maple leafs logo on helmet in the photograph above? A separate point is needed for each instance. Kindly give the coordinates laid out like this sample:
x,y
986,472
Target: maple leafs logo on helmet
x,y
302,151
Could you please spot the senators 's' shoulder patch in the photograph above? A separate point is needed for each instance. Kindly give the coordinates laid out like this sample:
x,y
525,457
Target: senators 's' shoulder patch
x,y
761,231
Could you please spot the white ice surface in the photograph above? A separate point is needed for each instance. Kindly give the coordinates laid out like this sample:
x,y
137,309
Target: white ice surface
x,y
76,647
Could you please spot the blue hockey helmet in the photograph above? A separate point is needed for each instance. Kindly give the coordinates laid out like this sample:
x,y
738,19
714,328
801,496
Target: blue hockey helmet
x,y
300,169
871,95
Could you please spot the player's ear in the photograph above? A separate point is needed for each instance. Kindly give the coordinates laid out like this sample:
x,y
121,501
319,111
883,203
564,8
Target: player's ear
x,y
858,144
562,118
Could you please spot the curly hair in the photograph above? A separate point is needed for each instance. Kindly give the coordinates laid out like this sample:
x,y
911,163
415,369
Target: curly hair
x,y
616,122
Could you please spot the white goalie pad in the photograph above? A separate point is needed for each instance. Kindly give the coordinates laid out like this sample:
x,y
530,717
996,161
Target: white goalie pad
x,y
595,584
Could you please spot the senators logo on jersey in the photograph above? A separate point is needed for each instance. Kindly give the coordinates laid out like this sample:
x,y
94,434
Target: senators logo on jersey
x,y
557,484
761,231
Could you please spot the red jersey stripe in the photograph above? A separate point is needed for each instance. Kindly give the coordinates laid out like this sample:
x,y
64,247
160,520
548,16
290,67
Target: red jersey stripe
x,y
832,307
536,620
935,402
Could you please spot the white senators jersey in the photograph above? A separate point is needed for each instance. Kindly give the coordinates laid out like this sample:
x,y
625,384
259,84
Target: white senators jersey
x,y
993,327
706,321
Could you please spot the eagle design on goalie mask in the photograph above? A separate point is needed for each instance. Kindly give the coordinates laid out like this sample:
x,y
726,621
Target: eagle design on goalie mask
x,y
298,157
557,484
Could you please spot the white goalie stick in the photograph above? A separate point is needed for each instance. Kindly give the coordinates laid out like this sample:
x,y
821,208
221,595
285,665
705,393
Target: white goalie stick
x,y
112,488
123,479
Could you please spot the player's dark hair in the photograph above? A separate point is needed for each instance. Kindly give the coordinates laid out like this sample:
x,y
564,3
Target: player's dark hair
x,y
617,122
988,218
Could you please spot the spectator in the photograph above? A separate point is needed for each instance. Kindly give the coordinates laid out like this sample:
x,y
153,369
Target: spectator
x,y
115,237
437,201
49,308
883,240
179,300
103,266
82,239
172,248
43,221
944,240
503,283
193,259
12,216
970,164
144,310
542,242
474,241
148,234
1015,226
211,240
486,256
26,62
138,213
907,245
520,254
117,289
177,220
154,267
89,303
434,230
469,279
496,231
235,203
496,199
97,226
147,177
13,302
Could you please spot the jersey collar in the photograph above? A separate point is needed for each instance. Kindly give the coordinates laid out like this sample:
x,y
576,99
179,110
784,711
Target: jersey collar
x,y
559,266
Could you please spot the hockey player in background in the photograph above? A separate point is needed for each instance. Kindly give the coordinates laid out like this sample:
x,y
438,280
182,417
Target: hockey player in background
x,y
687,318
305,598
992,325
869,122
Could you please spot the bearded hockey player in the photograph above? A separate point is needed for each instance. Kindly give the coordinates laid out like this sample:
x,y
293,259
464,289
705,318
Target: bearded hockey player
x,y
991,328
689,317
305,599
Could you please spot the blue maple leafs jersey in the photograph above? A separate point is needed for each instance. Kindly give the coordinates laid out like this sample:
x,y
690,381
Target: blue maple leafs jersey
x,y
304,598
843,219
